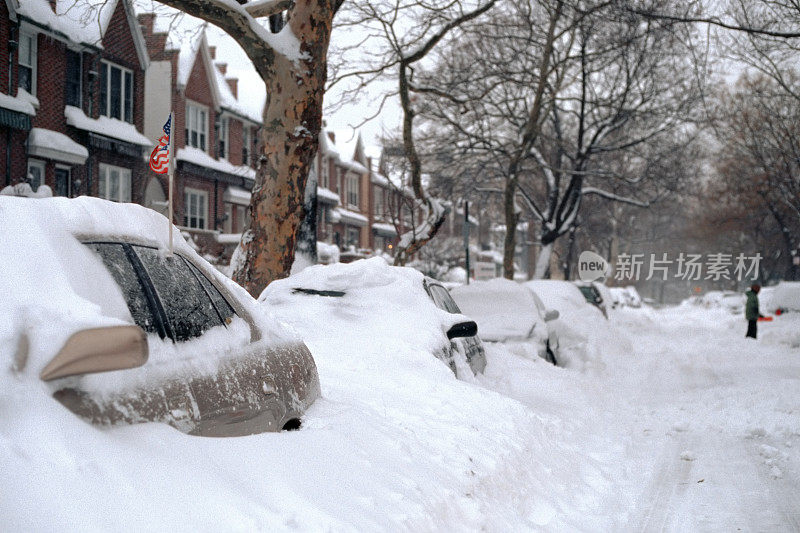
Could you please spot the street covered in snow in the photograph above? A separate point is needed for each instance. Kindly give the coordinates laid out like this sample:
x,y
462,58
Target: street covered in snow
x,y
676,423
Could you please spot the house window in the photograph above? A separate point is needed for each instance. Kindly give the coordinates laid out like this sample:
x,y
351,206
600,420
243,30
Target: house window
x,y
116,92
352,190
353,237
324,174
114,183
378,202
27,62
196,126
222,138
246,144
227,227
73,78
244,217
195,208
35,173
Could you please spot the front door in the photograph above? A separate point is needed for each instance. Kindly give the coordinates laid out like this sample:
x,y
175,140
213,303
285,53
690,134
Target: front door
x,y
63,182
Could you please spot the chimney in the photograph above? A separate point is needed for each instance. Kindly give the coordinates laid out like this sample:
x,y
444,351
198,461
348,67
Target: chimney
x,y
146,21
223,67
212,50
233,83
332,137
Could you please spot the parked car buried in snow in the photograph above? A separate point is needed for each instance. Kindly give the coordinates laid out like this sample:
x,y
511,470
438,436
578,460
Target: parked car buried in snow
x,y
123,331
592,292
509,312
370,300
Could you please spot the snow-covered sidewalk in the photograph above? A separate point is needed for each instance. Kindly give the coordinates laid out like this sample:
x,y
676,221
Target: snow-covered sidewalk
x,y
678,423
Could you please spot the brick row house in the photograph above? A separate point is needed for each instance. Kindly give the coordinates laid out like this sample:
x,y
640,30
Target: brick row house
x,y
215,138
86,90
359,209
72,98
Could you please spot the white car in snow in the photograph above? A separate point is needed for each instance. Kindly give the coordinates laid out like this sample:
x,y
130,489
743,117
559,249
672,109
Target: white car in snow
x,y
120,330
386,302
508,312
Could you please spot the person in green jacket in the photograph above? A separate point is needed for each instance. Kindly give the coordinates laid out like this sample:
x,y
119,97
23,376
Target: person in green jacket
x,y
751,310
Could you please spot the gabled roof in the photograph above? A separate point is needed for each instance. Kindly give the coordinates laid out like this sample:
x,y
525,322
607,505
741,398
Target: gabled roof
x,y
83,22
187,59
230,102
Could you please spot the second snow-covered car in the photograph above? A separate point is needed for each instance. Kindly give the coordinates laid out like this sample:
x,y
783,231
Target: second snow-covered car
x,y
383,302
123,331
510,313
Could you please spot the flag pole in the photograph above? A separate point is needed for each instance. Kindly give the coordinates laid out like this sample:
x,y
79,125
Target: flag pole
x,y
171,172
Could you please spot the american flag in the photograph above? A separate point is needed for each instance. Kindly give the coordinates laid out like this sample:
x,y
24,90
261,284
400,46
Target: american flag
x,y
159,159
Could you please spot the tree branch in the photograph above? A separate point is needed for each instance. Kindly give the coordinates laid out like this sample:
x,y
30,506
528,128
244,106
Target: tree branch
x,y
265,8
611,196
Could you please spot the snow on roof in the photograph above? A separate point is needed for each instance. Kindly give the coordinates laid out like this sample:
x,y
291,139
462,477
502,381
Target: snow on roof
x,y
351,217
202,159
230,102
55,145
327,196
237,195
82,22
187,56
327,146
24,102
110,127
387,229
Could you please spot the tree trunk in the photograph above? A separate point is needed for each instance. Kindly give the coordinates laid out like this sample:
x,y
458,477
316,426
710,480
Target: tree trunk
x,y
512,219
543,261
306,252
289,139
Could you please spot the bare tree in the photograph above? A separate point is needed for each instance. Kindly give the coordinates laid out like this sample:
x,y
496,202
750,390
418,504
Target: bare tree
x,y
403,33
611,83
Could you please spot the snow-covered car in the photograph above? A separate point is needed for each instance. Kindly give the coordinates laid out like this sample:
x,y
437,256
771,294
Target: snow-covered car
x,y
730,301
579,322
508,312
120,330
785,296
387,301
618,297
591,292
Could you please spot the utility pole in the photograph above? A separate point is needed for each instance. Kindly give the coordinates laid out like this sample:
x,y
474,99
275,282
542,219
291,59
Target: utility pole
x,y
466,236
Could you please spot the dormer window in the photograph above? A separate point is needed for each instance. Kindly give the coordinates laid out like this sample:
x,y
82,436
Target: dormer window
x,y
196,126
116,92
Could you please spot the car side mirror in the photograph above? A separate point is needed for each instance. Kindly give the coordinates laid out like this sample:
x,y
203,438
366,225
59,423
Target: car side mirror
x,y
463,329
99,350
551,314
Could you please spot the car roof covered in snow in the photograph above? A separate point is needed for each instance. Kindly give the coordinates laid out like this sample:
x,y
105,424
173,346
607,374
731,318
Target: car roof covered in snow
x,y
368,294
557,294
503,309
